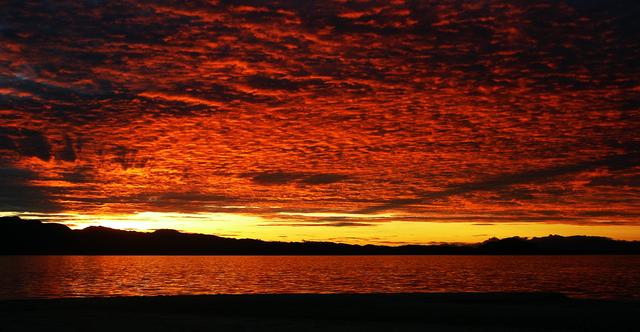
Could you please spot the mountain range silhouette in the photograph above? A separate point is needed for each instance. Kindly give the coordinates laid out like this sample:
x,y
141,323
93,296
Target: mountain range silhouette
x,y
18,236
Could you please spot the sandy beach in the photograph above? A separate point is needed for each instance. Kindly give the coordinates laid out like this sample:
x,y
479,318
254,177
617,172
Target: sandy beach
x,y
319,312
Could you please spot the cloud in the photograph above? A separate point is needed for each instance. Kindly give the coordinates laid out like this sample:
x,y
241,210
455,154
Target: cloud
x,y
325,106
6,143
324,178
192,196
19,194
609,213
181,98
270,178
275,178
127,157
187,201
68,153
321,224
34,143
10,174
27,142
271,83
616,181
616,162
264,82
79,175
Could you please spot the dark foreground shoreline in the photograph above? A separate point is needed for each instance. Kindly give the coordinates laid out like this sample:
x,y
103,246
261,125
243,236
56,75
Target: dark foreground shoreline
x,y
322,312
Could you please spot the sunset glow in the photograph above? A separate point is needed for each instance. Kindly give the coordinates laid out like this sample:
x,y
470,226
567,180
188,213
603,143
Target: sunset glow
x,y
386,122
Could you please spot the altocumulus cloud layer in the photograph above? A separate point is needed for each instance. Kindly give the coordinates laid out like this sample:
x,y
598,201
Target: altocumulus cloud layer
x,y
432,110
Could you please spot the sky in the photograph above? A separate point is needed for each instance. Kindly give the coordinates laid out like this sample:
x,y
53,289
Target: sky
x,y
385,122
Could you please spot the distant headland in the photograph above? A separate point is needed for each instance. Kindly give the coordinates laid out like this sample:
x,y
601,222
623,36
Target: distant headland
x,y
18,236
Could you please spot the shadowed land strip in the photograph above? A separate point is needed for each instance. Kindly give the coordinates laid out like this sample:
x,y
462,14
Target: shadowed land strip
x,y
440,311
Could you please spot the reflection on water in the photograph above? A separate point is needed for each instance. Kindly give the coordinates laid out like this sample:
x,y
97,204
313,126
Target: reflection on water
x,y
609,277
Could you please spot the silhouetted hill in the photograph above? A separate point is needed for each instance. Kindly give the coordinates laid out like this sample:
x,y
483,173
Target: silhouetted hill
x,y
19,236
555,244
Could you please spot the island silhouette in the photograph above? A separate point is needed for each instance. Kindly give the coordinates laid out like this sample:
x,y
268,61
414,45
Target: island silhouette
x,y
18,236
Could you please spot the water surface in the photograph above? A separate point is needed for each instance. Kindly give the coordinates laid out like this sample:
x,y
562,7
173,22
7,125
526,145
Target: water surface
x,y
604,277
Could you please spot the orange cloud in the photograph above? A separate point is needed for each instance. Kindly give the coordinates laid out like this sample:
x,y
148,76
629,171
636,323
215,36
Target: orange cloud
x,y
304,114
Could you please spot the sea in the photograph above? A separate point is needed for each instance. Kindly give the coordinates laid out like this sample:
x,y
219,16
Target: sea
x,y
596,277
